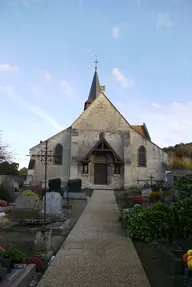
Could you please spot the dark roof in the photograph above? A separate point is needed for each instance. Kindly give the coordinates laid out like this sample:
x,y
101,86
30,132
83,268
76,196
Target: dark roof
x,y
95,88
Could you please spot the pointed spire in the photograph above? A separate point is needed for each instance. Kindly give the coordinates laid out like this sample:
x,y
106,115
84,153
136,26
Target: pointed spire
x,y
95,88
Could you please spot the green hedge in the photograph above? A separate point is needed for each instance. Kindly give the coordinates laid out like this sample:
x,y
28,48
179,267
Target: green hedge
x,y
160,221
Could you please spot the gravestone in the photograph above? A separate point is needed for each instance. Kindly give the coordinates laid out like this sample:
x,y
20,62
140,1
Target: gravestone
x,y
26,202
53,203
146,191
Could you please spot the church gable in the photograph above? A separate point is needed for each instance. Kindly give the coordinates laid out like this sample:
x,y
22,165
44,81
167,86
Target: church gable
x,y
101,115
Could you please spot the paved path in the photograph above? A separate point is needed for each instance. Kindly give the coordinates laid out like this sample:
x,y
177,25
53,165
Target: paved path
x,y
96,253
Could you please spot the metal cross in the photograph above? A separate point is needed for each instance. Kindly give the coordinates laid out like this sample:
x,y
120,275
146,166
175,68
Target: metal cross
x,y
96,62
151,178
45,155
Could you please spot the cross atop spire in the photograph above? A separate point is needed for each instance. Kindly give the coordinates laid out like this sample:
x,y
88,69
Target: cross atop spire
x,y
96,62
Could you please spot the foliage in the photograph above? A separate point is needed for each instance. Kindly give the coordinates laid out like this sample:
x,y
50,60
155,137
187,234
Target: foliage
x,y
161,221
149,223
166,192
182,211
184,185
3,203
180,156
155,196
7,168
13,254
4,154
23,171
31,193
4,194
183,182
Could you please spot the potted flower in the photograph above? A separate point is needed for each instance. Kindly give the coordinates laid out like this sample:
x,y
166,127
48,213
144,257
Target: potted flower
x,y
14,255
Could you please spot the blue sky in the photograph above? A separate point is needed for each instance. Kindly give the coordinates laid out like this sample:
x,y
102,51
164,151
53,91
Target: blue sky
x,y
47,50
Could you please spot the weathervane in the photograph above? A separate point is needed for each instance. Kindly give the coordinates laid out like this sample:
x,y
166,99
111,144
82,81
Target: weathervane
x,y
96,62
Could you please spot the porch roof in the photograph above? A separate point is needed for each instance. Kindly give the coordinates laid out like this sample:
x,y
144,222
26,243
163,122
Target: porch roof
x,y
102,146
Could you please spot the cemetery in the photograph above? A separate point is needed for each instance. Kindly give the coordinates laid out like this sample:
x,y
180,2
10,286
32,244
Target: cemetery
x,y
158,219
33,226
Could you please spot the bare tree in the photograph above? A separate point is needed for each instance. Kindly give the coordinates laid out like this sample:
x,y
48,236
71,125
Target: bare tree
x,y
4,154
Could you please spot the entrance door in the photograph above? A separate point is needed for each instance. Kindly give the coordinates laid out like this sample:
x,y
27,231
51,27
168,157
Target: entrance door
x,y
100,173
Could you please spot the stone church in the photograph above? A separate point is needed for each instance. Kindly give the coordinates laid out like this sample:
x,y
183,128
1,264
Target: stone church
x,y
101,148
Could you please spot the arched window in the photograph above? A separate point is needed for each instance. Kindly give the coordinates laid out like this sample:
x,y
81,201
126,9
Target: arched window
x,y
58,154
142,157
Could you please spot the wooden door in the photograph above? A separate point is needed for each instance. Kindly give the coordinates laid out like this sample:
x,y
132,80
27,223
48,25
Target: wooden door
x,y
100,173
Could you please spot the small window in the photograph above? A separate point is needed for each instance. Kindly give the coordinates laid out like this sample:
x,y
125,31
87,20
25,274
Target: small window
x,y
117,169
58,154
142,158
85,168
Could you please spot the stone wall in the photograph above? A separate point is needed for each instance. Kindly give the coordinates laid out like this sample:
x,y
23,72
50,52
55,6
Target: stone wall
x,y
62,171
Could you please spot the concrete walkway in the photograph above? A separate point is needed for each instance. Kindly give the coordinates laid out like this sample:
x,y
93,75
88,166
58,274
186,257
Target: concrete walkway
x,y
96,253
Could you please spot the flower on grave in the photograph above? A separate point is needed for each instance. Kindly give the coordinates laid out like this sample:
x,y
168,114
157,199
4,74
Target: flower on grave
x,y
2,249
185,257
3,203
189,264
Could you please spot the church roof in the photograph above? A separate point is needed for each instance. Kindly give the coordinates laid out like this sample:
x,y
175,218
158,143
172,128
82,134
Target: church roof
x,y
142,129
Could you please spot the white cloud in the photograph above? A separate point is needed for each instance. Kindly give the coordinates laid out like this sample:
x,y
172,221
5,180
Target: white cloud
x,y
34,109
164,20
47,76
125,82
167,124
28,3
67,89
6,67
116,31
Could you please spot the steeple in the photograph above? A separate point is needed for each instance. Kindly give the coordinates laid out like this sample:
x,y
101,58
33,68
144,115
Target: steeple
x,y
95,88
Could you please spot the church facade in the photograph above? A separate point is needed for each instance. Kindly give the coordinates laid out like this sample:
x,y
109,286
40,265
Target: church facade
x,y
102,149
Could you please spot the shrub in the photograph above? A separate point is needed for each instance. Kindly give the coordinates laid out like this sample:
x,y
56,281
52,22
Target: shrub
x,y
160,221
183,217
3,203
183,182
4,194
149,223
31,193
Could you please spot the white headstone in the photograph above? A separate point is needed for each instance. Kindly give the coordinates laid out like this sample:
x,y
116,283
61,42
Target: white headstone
x,y
146,191
53,203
